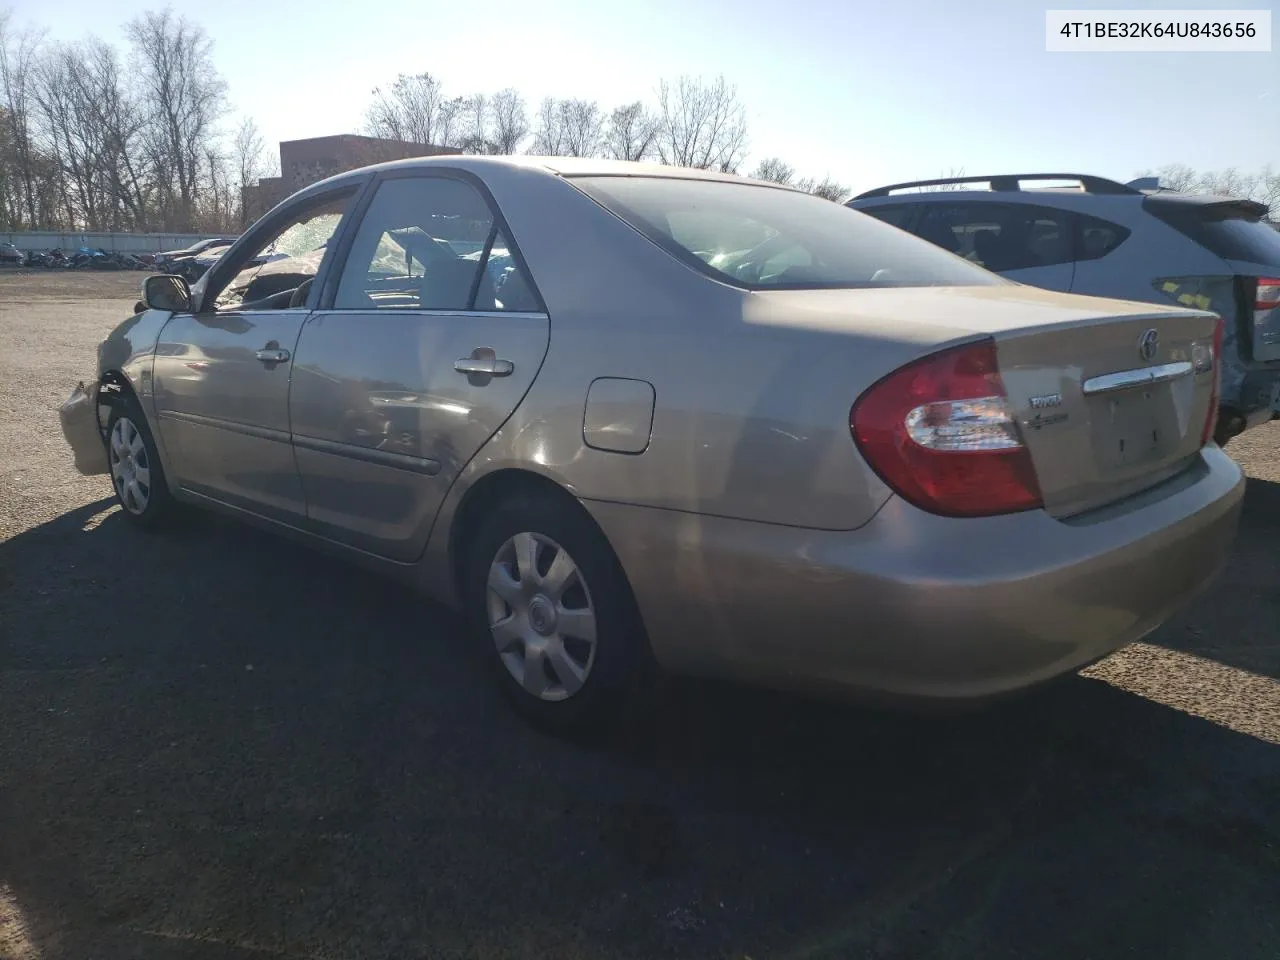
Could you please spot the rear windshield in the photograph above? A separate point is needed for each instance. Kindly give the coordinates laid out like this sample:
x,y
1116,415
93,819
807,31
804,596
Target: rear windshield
x,y
764,238
1226,233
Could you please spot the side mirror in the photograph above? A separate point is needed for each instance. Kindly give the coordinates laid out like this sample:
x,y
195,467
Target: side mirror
x,y
167,292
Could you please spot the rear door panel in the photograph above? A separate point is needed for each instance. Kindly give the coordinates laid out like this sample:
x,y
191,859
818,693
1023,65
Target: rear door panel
x,y
383,419
383,423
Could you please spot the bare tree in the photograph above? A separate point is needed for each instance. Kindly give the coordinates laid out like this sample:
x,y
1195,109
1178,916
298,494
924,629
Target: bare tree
x,y
18,51
826,188
510,123
631,133
118,118
583,125
186,97
549,134
1267,190
63,92
1263,186
1229,183
701,124
775,170
415,109
1179,177
474,119
219,205
951,173
247,149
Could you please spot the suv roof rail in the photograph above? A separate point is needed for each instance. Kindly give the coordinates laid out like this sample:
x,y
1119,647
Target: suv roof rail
x,y
1009,182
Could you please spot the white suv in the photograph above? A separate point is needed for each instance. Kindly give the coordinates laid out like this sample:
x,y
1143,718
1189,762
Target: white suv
x,y
1132,241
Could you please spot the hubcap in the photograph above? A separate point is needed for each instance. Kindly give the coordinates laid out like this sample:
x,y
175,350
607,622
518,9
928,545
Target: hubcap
x,y
130,466
541,616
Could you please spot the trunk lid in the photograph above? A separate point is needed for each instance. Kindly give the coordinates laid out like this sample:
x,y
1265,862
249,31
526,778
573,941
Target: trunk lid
x,y
1110,405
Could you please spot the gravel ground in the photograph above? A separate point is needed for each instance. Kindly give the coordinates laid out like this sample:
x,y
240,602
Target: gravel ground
x,y
215,744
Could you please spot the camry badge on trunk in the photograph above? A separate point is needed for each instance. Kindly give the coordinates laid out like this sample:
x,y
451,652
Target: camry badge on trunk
x,y
1149,344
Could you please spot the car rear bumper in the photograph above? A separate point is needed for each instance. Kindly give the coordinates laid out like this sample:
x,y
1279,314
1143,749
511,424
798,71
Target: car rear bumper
x,y
917,605
80,427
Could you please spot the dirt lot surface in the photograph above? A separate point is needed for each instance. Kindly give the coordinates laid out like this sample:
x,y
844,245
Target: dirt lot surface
x,y
217,745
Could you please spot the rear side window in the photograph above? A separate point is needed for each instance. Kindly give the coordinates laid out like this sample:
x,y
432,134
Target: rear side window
x,y
1225,233
768,238
1099,237
431,243
896,215
1000,236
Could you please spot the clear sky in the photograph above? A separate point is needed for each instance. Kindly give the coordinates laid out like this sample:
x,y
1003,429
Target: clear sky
x,y
868,93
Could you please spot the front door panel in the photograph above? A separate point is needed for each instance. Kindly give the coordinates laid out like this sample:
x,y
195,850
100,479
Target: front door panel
x,y
224,413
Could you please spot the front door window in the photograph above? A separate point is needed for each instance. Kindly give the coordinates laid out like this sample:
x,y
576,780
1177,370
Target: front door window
x,y
275,274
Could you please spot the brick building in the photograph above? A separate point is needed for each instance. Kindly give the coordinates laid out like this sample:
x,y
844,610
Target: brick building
x,y
307,161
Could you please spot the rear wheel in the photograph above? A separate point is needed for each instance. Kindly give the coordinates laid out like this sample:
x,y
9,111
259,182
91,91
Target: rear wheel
x,y
135,468
552,610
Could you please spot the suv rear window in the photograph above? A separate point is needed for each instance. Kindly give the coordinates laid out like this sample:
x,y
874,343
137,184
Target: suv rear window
x,y
768,238
1224,231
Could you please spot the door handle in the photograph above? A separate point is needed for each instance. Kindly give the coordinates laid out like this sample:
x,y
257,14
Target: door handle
x,y
273,355
484,366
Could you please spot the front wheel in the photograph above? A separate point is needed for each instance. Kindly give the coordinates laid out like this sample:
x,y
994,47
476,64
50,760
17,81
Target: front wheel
x,y
551,607
134,465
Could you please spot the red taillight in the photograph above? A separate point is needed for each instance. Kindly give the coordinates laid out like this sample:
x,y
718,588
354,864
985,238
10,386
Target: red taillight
x,y
1211,417
940,433
1268,295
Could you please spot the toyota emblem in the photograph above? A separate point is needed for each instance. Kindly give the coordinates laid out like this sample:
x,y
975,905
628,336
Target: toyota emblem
x,y
1149,345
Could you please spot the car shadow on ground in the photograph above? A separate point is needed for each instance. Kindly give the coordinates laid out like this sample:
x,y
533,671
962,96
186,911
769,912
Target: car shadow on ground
x,y
214,743
1235,623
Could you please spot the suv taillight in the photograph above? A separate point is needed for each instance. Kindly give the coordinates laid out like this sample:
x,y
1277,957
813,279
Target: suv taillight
x,y
1215,362
1268,295
940,433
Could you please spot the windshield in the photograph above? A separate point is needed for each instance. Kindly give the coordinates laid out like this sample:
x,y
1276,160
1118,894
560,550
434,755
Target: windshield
x,y
762,237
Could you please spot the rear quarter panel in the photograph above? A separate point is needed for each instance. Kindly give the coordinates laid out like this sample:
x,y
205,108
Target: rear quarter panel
x,y
750,416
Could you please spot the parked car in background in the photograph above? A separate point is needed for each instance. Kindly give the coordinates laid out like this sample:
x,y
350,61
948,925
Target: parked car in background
x,y
1135,241
193,268
11,256
170,258
626,413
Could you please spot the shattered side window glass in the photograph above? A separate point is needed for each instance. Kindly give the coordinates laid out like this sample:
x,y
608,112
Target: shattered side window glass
x,y
285,262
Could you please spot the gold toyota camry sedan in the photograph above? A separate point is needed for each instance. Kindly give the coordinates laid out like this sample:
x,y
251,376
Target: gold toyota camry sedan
x,y
627,416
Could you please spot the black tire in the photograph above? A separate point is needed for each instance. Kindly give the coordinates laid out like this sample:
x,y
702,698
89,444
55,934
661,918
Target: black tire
x,y
147,504
621,668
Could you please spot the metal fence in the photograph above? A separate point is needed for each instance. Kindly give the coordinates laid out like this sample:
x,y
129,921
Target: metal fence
x,y
107,242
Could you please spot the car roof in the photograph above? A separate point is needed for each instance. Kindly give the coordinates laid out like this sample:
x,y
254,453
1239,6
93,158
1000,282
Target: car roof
x,y
1032,194
997,196
552,166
